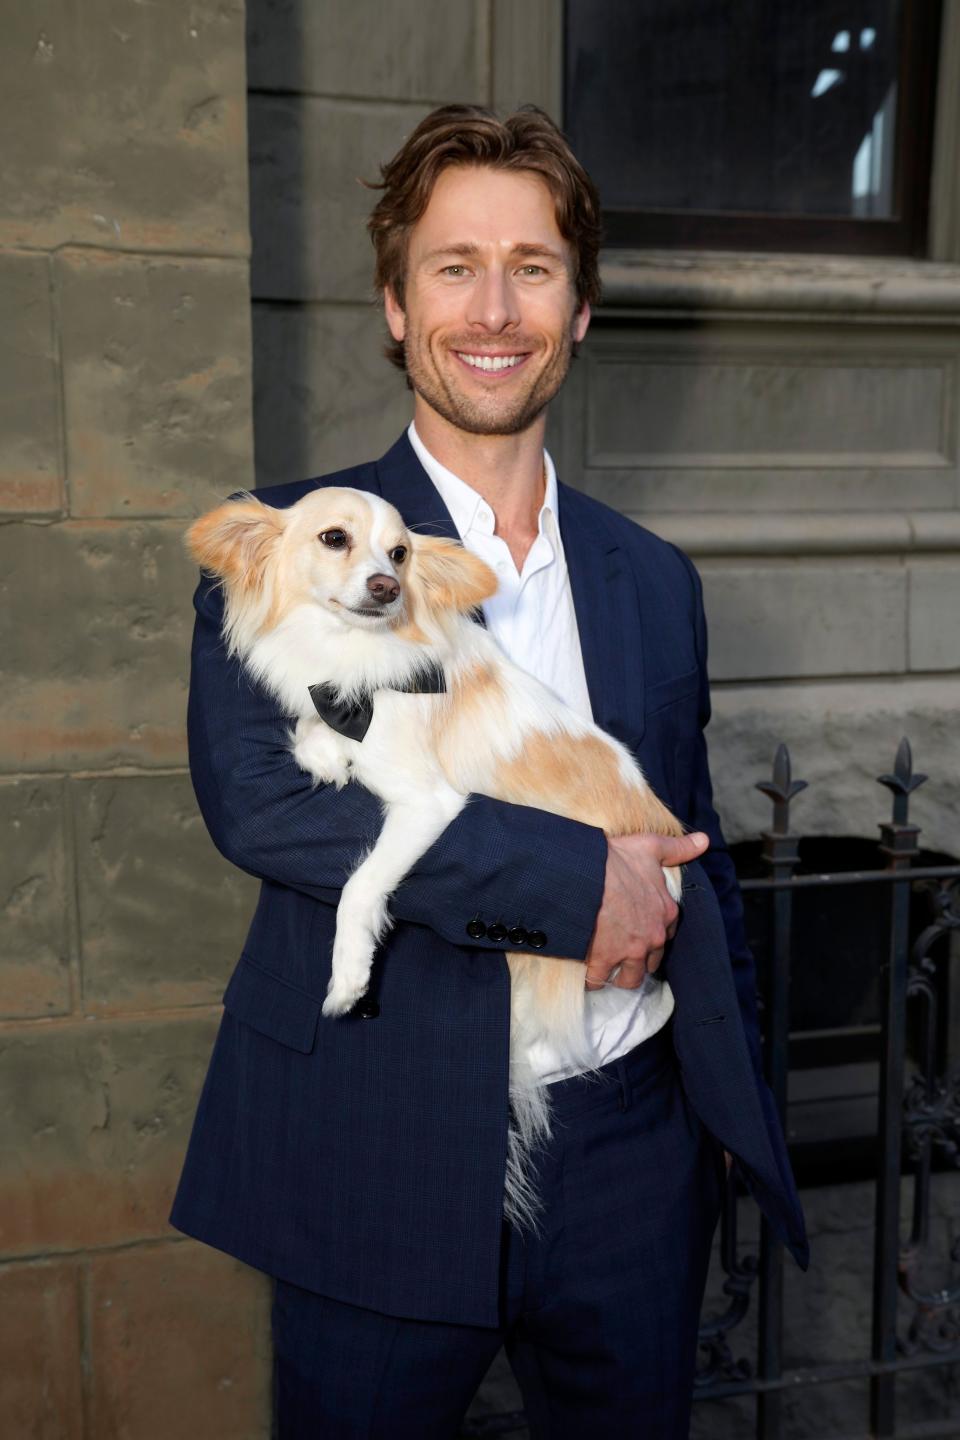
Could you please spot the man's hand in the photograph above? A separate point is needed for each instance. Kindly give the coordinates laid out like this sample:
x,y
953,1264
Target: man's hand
x,y
637,915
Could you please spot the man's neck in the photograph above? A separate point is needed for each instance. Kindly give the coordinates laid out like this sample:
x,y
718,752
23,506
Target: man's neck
x,y
507,470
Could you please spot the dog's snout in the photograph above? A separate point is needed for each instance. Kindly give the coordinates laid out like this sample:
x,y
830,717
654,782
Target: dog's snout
x,y
383,588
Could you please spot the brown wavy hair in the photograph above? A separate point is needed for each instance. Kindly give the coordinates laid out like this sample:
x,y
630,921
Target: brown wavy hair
x,y
472,135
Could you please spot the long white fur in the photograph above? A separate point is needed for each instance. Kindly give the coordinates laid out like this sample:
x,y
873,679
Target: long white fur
x,y
314,640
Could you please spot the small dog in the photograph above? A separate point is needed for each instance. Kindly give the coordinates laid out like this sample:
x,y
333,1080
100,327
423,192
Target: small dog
x,y
334,602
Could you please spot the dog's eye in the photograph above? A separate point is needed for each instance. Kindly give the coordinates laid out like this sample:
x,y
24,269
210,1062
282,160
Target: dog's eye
x,y
398,554
335,539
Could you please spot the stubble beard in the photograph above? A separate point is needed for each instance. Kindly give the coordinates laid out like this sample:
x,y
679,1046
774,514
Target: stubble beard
x,y
490,415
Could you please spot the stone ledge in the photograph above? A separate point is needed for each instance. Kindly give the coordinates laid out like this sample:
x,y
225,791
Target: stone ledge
x,y
778,287
833,533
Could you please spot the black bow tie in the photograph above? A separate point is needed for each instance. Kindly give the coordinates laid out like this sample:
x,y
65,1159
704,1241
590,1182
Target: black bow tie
x,y
352,717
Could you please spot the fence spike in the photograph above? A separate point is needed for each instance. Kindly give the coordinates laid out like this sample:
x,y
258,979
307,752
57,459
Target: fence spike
x,y
902,782
781,789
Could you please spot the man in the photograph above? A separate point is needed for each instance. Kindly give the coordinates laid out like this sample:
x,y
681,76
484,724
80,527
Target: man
x,y
361,1161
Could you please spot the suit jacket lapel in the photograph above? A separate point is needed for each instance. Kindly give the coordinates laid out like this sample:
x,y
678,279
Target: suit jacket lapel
x,y
608,617
404,482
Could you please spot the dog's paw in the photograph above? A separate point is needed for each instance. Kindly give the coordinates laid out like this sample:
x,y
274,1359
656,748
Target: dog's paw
x,y
341,998
674,878
349,978
321,752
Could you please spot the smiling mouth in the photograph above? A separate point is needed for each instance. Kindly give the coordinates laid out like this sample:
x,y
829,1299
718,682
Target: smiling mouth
x,y
491,364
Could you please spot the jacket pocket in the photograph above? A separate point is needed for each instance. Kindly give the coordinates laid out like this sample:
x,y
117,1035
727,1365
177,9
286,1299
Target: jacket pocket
x,y
668,692
271,1006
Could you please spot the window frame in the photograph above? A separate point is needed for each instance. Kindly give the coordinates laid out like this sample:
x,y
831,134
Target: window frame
x,y
904,234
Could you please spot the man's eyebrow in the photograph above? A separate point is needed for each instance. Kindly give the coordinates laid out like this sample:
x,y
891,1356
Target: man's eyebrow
x,y
469,251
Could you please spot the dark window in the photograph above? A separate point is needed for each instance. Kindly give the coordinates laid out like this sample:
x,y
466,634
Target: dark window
x,y
775,124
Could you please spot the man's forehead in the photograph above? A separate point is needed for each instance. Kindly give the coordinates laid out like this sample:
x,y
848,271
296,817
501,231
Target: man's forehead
x,y
476,205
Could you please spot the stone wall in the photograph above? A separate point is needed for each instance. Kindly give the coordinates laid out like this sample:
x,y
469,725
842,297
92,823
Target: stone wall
x,y
125,353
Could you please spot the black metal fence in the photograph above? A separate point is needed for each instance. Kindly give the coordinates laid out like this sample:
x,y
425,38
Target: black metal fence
x,y
918,1122
918,1127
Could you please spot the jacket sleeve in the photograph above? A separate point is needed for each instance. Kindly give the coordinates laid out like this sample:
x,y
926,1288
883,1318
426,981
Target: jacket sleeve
x,y
496,861
717,862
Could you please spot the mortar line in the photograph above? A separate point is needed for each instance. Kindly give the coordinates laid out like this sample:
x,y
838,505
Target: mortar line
x,y
241,257
491,21
282,302
118,772
13,1025
90,1252
267,92
72,899
87,1377
56,337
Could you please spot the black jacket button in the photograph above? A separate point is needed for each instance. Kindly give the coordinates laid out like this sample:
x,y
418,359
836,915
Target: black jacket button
x,y
497,932
366,1008
476,929
518,936
537,939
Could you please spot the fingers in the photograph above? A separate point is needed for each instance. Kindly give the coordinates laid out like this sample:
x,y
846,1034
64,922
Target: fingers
x,y
680,850
596,979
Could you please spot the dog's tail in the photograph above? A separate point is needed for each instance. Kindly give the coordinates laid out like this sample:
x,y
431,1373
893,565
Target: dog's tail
x,y
546,1006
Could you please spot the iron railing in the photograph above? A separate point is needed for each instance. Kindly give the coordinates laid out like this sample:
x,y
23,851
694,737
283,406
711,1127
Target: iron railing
x,y
919,1121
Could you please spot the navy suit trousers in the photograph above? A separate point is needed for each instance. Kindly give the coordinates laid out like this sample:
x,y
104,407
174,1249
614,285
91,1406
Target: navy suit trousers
x,y
599,1310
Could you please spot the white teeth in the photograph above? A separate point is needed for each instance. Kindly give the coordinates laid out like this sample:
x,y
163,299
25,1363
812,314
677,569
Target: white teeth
x,y
491,362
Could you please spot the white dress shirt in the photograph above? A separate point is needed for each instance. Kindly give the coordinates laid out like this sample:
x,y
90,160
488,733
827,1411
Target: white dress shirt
x,y
533,620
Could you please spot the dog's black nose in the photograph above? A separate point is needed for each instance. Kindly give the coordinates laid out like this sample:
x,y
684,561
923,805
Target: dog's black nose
x,y
383,588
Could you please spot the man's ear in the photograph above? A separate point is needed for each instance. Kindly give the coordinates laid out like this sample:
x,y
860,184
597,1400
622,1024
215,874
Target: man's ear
x,y
448,577
396,316
235,542
581,321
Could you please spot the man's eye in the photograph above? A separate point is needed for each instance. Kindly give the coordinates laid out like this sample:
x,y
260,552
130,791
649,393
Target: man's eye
x,y
533,270
455,270
334,539
398,554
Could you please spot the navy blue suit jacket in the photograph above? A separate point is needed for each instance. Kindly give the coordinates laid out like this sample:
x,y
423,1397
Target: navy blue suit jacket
x,y
364,1158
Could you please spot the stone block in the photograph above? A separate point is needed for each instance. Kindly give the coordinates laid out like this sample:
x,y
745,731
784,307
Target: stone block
x,y
324,396
785,618
408,50
156,373
124,126
162,914
31,480
841,736
40,1340
308,207
94,674
94,1121
739,417
935,614
179,1345
34,934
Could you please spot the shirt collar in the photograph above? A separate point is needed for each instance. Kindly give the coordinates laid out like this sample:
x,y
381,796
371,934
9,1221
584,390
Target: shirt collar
x,y
468,509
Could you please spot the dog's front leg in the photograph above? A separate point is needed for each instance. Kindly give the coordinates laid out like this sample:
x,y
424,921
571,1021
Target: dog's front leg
x,y
409,830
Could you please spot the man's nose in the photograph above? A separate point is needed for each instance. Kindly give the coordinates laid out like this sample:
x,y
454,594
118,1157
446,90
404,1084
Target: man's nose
x,y
383,588
493,303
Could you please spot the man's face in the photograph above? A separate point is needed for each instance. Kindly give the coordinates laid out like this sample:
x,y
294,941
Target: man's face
x,y
490,311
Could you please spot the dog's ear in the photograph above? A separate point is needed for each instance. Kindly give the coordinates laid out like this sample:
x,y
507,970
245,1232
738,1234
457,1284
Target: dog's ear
x,y
449,577
235,541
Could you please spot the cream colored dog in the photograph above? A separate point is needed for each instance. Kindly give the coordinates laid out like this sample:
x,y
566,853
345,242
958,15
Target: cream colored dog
x,y
336,594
